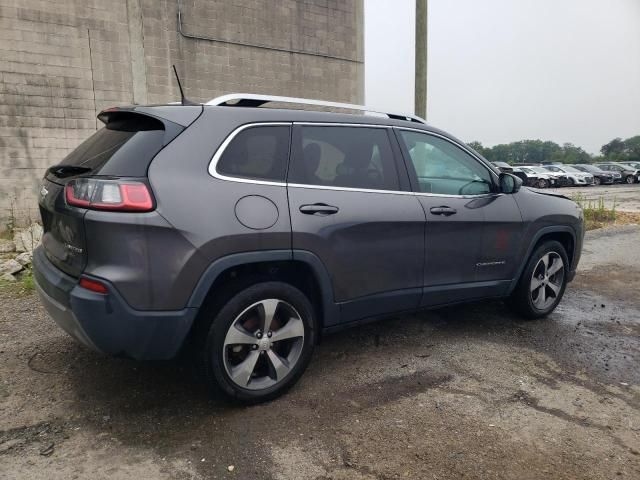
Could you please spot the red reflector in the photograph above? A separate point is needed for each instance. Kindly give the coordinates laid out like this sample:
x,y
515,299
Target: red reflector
x,y
93,285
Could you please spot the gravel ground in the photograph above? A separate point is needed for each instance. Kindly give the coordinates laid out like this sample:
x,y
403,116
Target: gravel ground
x,y
625,197
464,392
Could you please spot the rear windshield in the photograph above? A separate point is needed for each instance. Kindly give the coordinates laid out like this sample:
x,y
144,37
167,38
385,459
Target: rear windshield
x,y
124,147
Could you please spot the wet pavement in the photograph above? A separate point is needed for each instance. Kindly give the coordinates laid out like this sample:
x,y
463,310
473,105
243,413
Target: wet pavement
x,y
462,392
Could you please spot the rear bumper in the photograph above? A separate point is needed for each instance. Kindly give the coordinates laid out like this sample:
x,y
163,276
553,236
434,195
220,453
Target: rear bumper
x,y
105,322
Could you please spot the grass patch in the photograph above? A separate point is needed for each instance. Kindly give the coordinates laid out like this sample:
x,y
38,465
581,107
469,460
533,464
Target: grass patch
x,y
597,214
23,286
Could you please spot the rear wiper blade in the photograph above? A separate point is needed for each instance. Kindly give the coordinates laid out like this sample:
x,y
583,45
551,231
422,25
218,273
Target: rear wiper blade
x,y
63,171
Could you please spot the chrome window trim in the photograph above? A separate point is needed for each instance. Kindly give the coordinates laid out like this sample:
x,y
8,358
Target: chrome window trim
x,y
213,164
216,157
342,124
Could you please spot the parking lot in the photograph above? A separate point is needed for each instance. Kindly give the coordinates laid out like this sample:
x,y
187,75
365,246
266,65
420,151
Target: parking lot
x,y
625,197
464,392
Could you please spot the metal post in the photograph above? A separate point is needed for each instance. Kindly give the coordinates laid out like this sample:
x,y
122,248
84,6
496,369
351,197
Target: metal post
x,y
421,59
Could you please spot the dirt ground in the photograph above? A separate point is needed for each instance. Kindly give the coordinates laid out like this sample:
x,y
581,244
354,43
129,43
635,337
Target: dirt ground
x,y
626,198
464,392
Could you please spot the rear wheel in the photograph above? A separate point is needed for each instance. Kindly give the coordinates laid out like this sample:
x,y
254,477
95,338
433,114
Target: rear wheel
x,y
596,181
260,342
542,283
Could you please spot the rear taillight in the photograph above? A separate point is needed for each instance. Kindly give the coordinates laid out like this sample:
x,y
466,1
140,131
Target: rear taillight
x,y
115,195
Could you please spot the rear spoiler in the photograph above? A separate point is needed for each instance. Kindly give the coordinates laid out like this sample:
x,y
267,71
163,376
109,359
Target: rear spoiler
x,y
183,115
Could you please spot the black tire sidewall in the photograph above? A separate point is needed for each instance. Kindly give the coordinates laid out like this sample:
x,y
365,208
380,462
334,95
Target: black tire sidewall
x,y
521,298
217,376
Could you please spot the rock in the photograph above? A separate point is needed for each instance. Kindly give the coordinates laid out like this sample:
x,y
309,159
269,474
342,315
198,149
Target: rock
x,y
7,277
47,449
24,258
231,468
26,239
10,266
7,246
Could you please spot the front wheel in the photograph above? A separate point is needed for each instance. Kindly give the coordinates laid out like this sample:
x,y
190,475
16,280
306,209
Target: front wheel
x,y
542,283
260,343
542,183
630,179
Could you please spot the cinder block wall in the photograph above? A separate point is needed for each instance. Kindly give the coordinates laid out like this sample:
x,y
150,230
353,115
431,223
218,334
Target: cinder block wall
x,y
62,61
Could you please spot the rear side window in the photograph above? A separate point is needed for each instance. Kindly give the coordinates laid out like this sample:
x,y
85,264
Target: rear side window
x,y
258,153
351,157
125,146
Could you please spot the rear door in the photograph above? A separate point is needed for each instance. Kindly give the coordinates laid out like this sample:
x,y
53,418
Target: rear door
x,y
472,232
348,207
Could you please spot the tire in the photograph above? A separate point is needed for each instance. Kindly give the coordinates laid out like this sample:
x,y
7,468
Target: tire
x,y
572,182
597,181
526,299
542,183
630,179
257,368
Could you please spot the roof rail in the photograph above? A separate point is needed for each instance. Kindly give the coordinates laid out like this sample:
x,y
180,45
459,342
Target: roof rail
x,y
252,100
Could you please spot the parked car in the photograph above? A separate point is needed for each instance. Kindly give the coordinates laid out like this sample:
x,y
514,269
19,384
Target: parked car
x,y
575,176
529,179
503,166
627,174
633,165
545,178
245,233
599,175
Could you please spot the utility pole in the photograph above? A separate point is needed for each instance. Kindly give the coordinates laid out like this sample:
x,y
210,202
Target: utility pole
x,y
421,59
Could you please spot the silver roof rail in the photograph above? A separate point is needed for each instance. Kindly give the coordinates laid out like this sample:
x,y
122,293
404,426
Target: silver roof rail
x,y
252,100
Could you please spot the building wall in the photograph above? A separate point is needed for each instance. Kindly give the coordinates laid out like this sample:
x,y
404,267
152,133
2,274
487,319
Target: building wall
x,y
62,61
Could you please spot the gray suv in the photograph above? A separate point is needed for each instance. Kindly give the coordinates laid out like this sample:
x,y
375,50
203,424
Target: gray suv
x,y
245,233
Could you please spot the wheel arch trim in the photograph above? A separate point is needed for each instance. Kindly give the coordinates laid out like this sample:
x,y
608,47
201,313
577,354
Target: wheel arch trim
x,y
330,310
534,241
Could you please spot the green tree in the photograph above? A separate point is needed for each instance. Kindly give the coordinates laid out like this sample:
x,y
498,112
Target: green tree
x,y
613,148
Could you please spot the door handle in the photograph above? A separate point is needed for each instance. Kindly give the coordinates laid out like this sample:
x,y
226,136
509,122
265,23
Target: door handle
x,y
444,210
318,209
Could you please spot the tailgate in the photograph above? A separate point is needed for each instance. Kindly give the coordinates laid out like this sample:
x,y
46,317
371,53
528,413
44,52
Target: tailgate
x,y
64,237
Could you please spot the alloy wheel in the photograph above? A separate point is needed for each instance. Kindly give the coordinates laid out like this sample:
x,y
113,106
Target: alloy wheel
x,y
263,344
547,280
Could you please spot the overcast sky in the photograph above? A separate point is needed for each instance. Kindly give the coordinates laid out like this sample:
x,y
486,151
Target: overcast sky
x,y
505,70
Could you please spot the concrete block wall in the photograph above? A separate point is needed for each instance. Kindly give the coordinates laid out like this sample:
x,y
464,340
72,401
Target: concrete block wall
x,y
62,61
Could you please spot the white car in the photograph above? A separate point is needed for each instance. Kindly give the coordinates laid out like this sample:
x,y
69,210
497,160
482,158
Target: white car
x,y
545,177
576,177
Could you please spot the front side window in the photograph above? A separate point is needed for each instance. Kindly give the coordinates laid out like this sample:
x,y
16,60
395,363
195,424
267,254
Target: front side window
x,y
257,153
443,168
348,157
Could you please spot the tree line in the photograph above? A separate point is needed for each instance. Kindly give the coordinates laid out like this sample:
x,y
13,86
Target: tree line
x,y
537,151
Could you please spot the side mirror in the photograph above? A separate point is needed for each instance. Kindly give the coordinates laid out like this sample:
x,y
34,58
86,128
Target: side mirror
x,y
509,183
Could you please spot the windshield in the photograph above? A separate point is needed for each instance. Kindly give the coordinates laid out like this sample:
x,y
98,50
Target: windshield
x,y
571,169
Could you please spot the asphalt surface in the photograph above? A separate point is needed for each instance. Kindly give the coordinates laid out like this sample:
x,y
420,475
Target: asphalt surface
x,y
464,392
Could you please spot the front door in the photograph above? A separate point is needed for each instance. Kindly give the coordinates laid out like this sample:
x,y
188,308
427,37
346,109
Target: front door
x,y
348,208
469,226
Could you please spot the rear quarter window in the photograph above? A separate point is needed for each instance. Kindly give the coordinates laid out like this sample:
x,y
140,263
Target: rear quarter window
x,y
257,153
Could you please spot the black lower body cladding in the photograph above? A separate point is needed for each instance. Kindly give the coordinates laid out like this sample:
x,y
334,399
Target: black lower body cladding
x,y
105,322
